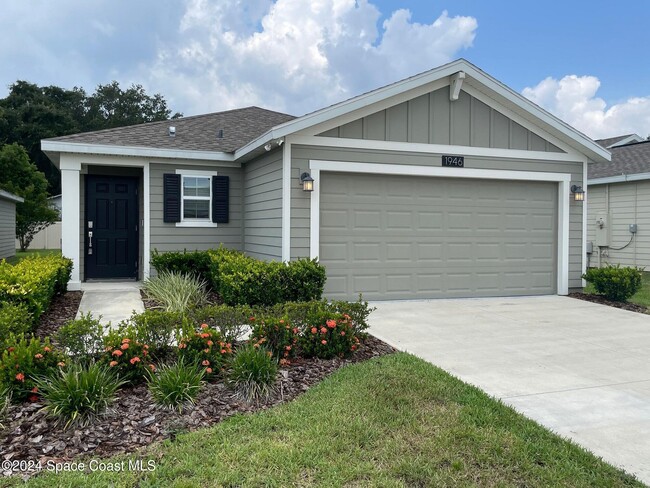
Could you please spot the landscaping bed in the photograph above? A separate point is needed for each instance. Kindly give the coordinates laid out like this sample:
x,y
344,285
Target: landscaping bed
x,y
136,421
590,297
63,309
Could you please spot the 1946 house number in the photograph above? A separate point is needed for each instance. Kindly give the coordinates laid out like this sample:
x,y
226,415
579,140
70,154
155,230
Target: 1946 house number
x,y
454,161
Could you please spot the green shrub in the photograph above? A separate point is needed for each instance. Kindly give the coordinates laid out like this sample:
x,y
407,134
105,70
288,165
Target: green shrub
x,y
205,348
83,337
177,385
176,292
231,322
78,394
125,355
242,280
614,282
34,281
5,402
156,328
328,335
22,361
253,372
196,263
278,335
14,319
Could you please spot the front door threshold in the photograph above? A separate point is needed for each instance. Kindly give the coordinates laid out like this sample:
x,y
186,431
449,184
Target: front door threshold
x,y
110,285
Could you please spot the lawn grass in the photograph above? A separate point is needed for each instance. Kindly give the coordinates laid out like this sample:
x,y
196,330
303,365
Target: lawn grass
x,y
32,252
394,421
641,297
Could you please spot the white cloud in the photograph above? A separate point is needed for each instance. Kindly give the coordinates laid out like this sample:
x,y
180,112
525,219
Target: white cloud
x,y
293,55
574,100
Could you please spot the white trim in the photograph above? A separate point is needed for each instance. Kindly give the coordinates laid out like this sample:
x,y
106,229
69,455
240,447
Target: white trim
x,y
627,140
585,187
563,180
456,83
188,173
146,185
481,152
492,86
619,179
149,152
286,200
71,219
12,198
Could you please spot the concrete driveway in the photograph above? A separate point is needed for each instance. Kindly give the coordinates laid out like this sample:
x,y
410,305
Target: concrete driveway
x,y
579,368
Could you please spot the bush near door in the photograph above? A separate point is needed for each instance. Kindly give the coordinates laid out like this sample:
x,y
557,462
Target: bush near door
x,y
615,282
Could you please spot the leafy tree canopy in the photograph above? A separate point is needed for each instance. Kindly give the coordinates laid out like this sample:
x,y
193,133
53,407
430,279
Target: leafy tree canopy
x,y
21,177
31,113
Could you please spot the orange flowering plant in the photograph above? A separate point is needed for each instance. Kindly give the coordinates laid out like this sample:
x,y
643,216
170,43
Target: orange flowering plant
x,y
327,335
22,361
127,357
205,348
277,335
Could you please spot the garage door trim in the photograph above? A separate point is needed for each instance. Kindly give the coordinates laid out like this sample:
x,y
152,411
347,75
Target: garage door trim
x,y
563,181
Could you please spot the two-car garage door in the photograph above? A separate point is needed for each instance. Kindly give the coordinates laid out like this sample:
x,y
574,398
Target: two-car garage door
x,y
405,237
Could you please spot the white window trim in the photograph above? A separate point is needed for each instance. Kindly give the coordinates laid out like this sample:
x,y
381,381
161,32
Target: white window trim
x,y
191,222
563,181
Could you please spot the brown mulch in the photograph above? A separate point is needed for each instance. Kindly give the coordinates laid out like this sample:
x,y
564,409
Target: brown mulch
x,y
136,421
62,309
633,307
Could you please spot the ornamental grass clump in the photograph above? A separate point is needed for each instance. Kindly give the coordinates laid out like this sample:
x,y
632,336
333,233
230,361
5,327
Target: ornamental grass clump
x,y
176,292
78,394
175,386
253,372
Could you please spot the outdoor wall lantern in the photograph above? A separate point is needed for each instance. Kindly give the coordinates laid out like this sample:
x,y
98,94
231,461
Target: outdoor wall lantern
x,y
307,182
578,193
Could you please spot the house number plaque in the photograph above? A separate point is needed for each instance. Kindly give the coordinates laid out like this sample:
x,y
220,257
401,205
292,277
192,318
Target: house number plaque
x,y
454,161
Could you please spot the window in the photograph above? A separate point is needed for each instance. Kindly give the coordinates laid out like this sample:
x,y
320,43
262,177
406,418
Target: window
x,y
196,197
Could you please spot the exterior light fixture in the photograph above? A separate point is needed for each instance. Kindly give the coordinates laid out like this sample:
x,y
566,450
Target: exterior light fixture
x,y
307,182
578,193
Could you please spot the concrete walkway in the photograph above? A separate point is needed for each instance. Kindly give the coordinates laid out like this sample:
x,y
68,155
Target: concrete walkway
x,y
113,300
578,368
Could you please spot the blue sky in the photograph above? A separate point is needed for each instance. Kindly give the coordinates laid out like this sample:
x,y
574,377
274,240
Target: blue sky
x,y
584,61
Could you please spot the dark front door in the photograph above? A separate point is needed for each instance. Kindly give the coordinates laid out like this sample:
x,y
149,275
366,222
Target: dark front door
x,y
111,227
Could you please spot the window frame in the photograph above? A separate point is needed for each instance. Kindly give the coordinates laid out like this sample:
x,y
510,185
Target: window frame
x,y
189,222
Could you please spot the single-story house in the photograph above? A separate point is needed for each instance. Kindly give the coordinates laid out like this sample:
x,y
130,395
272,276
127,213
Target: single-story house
x,y
445,184
619,204
8,203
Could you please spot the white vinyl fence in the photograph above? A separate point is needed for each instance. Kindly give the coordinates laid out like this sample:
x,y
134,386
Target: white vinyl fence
x,y
48,238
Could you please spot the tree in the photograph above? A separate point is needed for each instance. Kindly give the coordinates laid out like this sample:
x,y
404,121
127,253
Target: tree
x,y
31,113
20,176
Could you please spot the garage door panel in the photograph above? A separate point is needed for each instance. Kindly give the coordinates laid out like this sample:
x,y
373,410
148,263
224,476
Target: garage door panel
x,y
409,237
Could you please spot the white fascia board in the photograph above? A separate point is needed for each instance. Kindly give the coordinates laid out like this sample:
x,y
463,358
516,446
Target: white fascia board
x,y
594,150
11,197
79,148
619,179
627,140
481,152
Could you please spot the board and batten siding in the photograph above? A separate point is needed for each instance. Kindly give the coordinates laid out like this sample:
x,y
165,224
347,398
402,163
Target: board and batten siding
x,y
433,119
7,228
300,200
623,204
263,206
167,237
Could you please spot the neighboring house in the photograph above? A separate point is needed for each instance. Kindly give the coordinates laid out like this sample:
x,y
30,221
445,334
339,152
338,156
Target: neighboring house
x,y
50,237
8,203
619,205
395,211
55,202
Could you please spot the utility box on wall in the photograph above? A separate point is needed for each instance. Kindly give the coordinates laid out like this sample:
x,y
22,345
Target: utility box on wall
x,y
602,224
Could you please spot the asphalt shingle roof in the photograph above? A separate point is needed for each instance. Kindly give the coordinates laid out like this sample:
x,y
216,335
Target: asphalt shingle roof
x,y
197,133
626,160
611,140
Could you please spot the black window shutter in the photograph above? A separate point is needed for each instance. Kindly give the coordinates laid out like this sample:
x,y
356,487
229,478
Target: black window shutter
x,y
171,197
220,186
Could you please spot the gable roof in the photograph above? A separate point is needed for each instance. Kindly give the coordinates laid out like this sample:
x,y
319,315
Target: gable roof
x,y
195,133
257,127
629,160
619,140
